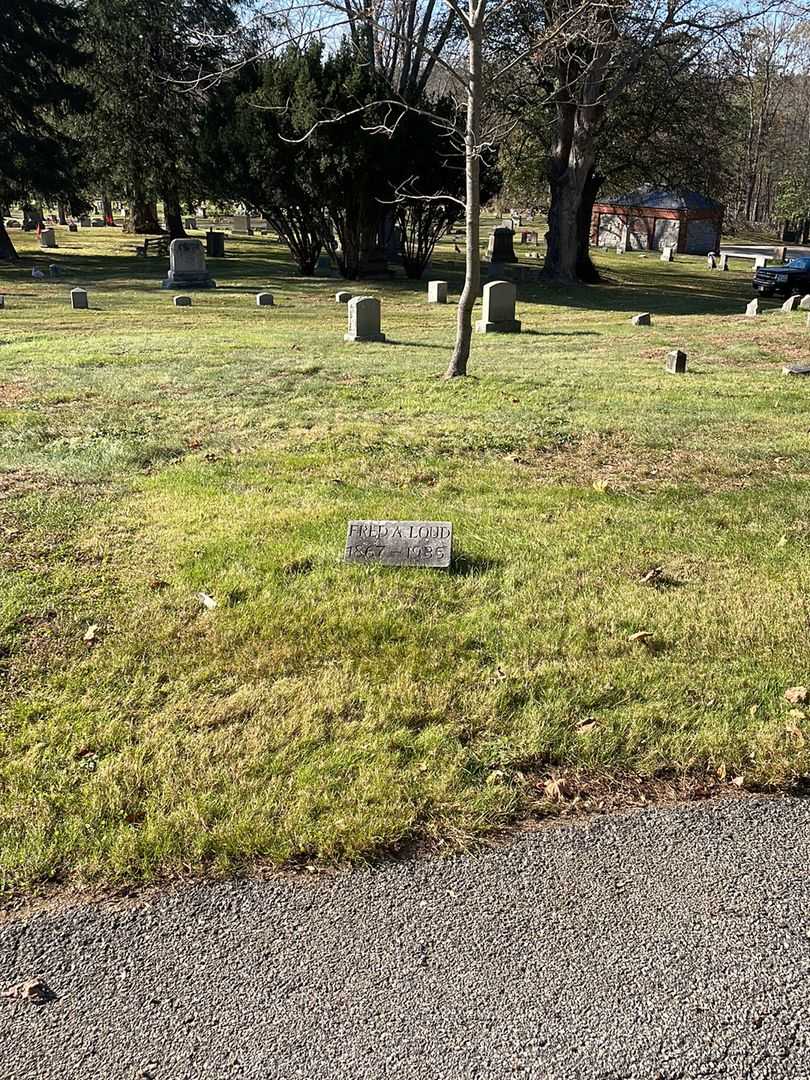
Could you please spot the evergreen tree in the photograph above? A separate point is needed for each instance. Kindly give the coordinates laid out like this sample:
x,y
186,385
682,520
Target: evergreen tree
x,y
38,44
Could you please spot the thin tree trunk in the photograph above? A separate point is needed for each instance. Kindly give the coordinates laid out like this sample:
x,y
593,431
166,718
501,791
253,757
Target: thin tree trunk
x,y
62,212
106,209
472,162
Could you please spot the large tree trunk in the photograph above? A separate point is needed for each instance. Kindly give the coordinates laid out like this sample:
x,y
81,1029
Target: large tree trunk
x,y
173,215
62,212
142,216
586,271
472,165
570,166
7,249
106,209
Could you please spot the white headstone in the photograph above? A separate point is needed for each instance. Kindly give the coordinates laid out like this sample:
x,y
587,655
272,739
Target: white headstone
x,y
264,299
437,292
78,299
364,320
182,301
724,262
676,362
342,297
805,303
760,261
792,303
753,308
667,253
187,267
498,314
711,261
644,319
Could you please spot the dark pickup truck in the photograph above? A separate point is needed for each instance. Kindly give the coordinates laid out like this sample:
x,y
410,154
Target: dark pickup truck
x,y
783,280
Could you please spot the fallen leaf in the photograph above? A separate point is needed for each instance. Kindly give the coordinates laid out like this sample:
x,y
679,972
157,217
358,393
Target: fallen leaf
x,y
738,781
652,576
797,695
35,991
600,485
158,583
207,601
586,726
556,789
91,634
641,635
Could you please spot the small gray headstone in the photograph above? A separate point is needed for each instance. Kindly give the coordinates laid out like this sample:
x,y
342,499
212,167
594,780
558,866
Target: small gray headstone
x,y
78,299
400,543
724,262
752,308
264,299
2,300
804,304
47,238
73,227
437,292
498,314
644,319
676,362
792,303
342,297
182,301
620,249
711,261
364,320
796,369
667,253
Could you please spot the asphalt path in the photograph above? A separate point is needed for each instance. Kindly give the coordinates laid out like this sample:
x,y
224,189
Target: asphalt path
x,y
669,943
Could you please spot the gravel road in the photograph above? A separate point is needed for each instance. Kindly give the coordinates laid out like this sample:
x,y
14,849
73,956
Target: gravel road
x,y
670,943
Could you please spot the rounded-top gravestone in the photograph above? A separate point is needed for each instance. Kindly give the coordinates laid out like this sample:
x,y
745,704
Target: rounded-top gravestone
x,y
264,299
364,320
501,248
498,315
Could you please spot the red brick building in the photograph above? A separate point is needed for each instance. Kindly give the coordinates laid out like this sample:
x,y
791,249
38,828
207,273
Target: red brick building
x,y
649,220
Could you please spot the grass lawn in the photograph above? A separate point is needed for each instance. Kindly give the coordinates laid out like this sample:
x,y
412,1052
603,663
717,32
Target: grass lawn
x,y
149,454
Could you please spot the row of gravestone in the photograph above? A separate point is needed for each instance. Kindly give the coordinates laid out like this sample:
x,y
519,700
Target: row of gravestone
x,y
497,316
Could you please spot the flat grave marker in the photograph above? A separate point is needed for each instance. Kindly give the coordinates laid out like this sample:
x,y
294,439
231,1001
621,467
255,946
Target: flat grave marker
x,y
400,543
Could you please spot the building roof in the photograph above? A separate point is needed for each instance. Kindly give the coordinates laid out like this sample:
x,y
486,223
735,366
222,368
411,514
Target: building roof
x,y
665,199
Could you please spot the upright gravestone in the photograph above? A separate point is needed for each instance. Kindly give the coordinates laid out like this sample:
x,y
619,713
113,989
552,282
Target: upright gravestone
x,y
215,244
78,299
644,319
187,269
501,247
676,362
780,254
437,292
364,320
240,225
760,262
804,304
711,261
724,262
73,227
342,297
47,238
752,309
498,315
667,253
264,299
792,303
182,301
2,300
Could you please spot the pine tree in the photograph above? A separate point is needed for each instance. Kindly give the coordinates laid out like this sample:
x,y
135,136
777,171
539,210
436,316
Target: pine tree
x,y
38,45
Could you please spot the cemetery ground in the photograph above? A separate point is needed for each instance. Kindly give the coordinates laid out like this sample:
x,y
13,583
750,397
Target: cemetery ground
x,y
628,598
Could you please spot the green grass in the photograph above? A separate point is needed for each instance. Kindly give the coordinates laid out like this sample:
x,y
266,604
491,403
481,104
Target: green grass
x,y
149,454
